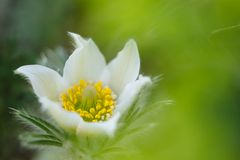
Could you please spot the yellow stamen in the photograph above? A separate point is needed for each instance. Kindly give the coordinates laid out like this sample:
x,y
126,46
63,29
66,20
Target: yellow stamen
x,y
92,101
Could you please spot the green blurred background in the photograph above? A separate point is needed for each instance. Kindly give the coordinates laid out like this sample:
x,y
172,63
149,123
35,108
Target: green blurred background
x,y
195,44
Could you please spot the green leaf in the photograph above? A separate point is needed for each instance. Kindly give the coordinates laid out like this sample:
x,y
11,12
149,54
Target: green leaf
x,y
29,138
45,142
45,137
37,122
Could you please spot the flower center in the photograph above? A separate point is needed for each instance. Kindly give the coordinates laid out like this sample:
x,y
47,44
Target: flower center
x,y
92,101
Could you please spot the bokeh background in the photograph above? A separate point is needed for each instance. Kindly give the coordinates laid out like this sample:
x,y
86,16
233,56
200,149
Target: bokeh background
x,y
195,44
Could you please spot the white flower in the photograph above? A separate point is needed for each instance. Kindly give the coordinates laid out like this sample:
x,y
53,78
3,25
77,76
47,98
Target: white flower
x,y
90,96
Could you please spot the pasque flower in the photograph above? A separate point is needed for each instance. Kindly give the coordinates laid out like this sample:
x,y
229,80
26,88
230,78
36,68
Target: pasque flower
x,y
91,95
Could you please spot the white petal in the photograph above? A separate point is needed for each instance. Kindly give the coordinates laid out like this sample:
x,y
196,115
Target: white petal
x,y
45,81
131,92
79,41
66,119
107,127
85,63
125,67
105,76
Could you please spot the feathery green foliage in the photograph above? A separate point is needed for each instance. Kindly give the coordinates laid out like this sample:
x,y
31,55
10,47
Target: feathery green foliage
x,y
46,133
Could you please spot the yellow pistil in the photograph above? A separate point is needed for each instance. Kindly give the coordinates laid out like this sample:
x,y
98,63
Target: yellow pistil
x,y
92,101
